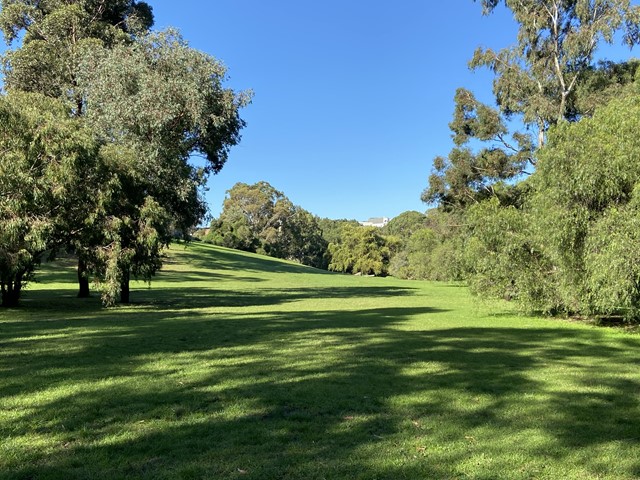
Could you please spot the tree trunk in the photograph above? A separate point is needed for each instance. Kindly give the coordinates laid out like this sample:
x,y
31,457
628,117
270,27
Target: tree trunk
x,y
124,287
83,279
11,290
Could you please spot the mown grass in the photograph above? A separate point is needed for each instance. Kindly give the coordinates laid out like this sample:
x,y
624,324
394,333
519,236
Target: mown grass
x,y
237,366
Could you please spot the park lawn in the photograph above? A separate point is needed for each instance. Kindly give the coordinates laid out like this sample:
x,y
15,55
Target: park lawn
x,y
236,366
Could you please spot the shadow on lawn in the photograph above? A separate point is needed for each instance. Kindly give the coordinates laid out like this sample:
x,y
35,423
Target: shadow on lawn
x,y
166,389
306,412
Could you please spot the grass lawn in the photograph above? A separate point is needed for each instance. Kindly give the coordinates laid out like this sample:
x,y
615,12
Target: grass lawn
x,y
235,366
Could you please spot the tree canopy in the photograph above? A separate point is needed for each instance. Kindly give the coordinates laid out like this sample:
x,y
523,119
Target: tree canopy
x,y
550,75
150,101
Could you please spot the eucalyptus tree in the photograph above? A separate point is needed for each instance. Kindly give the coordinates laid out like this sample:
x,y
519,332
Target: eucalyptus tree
x,y
549,76
49,41
52,37
176,107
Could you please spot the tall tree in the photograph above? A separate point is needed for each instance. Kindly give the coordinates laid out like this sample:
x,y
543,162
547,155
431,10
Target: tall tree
x,y
177,106
53,38
550,75
99,56
557,41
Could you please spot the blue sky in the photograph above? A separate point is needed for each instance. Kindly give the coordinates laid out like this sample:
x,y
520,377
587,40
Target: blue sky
x,y
351,98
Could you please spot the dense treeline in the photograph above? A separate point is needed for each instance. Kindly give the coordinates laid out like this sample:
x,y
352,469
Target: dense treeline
x,y
82,173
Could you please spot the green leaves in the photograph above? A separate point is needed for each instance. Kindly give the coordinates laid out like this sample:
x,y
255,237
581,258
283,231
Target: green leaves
x,y
148,101
259,218
45,156
361,250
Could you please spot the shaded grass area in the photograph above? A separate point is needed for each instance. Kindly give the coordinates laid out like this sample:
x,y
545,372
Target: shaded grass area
x,y
238,366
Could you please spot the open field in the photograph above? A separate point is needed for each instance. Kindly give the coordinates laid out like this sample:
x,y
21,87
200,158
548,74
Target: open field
x,y
233,366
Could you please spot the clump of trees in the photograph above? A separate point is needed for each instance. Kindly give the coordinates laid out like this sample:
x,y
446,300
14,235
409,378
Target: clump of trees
x,y
258,218
362,250
100,117
547,216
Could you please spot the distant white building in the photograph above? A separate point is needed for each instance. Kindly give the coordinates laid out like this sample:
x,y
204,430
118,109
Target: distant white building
x,y
375,222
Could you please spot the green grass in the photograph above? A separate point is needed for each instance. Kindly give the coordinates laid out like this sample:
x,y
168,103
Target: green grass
x,y
238,366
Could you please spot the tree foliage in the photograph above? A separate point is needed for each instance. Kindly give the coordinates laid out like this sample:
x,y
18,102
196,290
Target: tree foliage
x,y
46,156
58,35
176,107
585,203
151,103
557,41
362,250
551,75
259,218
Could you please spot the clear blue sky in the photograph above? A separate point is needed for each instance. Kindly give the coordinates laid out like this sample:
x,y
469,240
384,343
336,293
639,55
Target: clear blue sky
x,y
352,98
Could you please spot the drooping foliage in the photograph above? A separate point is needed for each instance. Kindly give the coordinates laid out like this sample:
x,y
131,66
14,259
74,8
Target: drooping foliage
x,y
46,159
151,102
585,202
176,106
362,250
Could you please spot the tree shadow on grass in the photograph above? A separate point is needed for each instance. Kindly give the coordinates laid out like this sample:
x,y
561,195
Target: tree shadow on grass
x,y
171,387
179,393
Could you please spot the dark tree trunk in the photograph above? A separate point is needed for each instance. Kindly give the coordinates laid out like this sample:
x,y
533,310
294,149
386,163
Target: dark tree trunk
x,y
11,290
124,287
83,279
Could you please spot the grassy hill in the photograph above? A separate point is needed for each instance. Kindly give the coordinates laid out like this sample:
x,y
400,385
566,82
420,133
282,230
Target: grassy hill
x,y
232,365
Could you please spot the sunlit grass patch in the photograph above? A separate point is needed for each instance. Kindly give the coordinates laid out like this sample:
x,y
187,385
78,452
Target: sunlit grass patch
x,y
232,365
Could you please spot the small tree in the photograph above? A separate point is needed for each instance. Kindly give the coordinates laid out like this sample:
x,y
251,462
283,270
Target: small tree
x,y
362,250
46,156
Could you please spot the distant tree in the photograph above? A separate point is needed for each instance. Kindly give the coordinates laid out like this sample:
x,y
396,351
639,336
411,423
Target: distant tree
x,y
259,218
434,248
332,229
249,215
362,250
405,224
305,243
